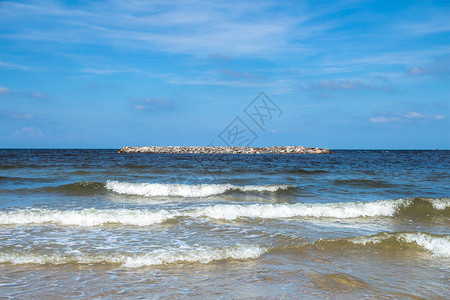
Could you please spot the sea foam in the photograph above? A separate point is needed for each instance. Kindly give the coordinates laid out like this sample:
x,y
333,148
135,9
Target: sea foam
x,y
342,210
85,217
185,190
276,211
436,245
201,255
410,208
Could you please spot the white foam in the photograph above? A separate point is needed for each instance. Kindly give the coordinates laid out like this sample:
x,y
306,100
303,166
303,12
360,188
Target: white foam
x,y
440,203
436,203
98,217
275,211
142,217
437,246
343,210
201,255
185,190
85,217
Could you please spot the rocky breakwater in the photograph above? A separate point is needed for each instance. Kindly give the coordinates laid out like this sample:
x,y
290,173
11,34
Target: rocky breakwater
x,y
226,150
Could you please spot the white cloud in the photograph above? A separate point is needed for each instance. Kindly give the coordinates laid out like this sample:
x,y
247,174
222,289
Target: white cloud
x,y
416,71
382,119
5,91
219,57
37,95
377,83
13,66
239,75
417,115
413,115
139,107
29,132
151,104
439,66
109,71
438,24
15,115
194,27
344,84
230,83
405,117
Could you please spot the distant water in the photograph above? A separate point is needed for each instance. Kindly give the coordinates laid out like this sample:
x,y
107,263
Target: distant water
x,y
96,223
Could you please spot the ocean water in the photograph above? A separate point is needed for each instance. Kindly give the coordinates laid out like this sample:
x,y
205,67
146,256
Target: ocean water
x,y
99,224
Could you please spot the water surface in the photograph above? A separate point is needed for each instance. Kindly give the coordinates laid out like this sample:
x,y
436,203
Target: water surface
x,y
352,224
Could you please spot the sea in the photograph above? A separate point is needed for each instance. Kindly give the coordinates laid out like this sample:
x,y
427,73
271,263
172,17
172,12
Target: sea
x,y
372,224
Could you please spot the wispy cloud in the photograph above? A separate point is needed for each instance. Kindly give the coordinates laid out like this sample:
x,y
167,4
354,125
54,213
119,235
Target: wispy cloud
x,y
231,27
29,132
438,24
404,117
36,95
8,65
349,84
151,104
5,91
440,66
109,71
219,57
278,84
231,74
98,86
7,114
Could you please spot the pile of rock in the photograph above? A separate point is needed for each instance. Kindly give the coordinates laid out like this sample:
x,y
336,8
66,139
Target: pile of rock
x,y
225,150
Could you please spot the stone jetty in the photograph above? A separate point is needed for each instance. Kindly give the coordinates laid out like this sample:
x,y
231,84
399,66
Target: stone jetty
x,y
226,150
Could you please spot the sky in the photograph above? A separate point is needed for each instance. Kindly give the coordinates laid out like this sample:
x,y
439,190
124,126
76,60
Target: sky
x,y
336,74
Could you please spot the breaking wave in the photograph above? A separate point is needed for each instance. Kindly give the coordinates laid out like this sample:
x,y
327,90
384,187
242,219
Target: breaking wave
x,y
159,257
85,217
401,208
412,207
436,245
89,188
85,188
184,190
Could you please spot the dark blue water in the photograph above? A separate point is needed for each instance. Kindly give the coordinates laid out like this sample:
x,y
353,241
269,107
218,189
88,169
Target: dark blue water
x,y
342,176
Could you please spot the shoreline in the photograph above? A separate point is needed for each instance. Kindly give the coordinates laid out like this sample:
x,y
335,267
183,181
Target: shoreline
x,y
226,150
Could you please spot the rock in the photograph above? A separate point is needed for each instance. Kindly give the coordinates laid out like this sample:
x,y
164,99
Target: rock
x,y
221,150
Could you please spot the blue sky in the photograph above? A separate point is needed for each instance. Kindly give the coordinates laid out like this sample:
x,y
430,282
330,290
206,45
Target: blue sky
x,y
105,74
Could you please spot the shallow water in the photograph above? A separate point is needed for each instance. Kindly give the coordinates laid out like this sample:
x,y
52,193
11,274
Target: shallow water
x,y
352,224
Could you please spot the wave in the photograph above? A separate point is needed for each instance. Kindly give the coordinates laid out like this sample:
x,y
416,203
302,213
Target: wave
x,y
369,183
19,166
423,207
281,211
201,255
85,188
86,217
412,207
26,180
185,190
401,208
307,172
436,245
